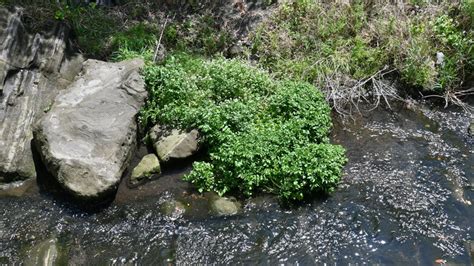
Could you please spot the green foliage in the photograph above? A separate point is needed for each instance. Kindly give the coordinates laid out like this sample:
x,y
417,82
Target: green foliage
x,y
310,41
365,59
261,134
200,34
458,45
137,41
467,12
135,38
94,28
418,69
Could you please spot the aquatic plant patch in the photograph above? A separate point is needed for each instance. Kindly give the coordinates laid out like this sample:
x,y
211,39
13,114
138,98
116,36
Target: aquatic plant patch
x,y
262,134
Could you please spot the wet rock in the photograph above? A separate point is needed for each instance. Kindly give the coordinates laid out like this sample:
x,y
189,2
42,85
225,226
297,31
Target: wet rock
x,y
471,129
17,188
173,208
224,206
148,166
33,69
45,254
174,144
87,139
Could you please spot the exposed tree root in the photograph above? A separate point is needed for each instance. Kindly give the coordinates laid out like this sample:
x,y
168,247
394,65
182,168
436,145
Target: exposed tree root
x,y
346,96
454,97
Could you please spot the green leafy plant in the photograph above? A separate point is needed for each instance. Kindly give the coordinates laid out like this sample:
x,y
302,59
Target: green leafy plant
x,y
137,37
261,134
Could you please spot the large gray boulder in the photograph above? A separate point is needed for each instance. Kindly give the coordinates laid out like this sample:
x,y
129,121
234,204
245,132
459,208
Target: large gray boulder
x,y
88,137
33,69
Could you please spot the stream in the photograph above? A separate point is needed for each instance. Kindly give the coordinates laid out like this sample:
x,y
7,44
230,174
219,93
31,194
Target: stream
x,y
405,198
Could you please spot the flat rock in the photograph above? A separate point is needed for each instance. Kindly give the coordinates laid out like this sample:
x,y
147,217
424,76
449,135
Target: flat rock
x,y
224,206
33,69
173,209
88,137
174,144
148,166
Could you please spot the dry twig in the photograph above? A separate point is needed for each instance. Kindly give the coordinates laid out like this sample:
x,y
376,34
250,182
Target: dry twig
x,y
347,99
454,97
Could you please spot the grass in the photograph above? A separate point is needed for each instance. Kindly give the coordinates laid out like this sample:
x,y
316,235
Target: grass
x,y
314,41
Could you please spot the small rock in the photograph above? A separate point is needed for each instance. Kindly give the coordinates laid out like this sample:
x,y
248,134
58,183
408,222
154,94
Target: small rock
x,y
224,206
45,253
148,166
440,58
17,188
173,209
174,144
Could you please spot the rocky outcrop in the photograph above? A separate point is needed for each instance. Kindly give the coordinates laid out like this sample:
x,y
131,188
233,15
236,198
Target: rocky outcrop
x,y
33,69
88,137
148,166
174,144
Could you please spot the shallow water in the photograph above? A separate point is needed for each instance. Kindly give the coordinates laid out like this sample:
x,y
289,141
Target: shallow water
x,y
404,199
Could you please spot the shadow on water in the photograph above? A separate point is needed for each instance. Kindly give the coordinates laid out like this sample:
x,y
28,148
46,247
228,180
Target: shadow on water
x,y
405,198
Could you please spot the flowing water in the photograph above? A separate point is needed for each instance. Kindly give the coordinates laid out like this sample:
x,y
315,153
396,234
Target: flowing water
x,y
405,198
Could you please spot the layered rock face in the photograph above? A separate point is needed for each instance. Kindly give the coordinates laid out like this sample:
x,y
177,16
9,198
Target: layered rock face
x,y
33,69
87,138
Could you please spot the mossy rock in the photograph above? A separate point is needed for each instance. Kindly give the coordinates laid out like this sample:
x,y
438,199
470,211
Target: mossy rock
x,y
147,167
223,206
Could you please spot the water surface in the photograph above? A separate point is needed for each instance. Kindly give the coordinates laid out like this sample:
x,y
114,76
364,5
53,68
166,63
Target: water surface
x,y
404,199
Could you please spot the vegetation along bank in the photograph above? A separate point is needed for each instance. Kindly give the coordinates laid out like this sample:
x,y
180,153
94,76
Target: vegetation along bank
x,y
258,79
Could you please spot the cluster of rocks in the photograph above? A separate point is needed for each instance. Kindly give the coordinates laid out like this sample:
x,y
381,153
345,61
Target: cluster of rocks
x,y
170,145
78,116
78,119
